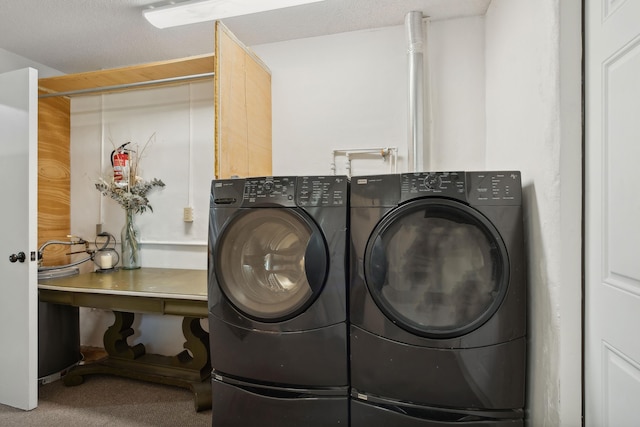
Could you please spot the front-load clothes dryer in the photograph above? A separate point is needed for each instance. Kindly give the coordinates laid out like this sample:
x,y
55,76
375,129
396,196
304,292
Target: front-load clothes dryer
x,y
438,300
277,288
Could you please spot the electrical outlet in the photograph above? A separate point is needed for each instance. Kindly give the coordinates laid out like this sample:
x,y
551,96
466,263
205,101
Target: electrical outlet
x,y
187,214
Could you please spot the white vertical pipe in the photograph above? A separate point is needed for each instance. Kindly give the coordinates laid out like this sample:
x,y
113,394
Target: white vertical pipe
x,y
413,24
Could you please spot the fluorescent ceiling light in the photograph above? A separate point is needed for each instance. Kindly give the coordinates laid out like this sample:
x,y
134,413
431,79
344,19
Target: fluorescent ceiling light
x,y
191,12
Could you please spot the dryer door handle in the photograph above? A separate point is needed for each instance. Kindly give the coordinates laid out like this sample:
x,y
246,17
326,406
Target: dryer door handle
x,y
315,262
376,264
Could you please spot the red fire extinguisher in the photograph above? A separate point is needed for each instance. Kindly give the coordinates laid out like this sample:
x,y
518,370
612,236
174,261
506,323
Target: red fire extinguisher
x,y
120,164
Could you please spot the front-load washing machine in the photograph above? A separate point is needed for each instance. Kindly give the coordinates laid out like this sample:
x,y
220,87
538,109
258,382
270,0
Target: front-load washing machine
x,y
277,288
438,300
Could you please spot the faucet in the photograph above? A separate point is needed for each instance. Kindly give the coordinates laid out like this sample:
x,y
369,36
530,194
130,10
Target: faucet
x,y
73,240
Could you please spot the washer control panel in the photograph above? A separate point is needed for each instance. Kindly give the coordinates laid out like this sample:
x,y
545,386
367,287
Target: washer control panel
x,y
290,191
270,190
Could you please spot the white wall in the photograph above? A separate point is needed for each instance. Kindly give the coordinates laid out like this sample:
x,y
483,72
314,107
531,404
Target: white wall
x,y
533,124
176,125
10,61
456,62
342,91
350,90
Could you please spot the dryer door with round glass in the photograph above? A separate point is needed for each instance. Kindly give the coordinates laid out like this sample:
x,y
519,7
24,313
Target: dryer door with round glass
x,y
263,263
436,267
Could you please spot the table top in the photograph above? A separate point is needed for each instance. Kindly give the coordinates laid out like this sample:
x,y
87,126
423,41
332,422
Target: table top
x,y
148,282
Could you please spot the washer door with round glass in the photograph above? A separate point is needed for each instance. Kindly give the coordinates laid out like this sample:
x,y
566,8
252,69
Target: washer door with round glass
x,y
271,263
437,268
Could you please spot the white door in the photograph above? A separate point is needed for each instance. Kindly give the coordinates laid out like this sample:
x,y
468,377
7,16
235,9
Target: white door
x,y
612,234
19,233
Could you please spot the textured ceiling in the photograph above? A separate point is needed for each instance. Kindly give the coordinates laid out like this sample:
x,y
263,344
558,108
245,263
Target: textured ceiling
x,y
82,35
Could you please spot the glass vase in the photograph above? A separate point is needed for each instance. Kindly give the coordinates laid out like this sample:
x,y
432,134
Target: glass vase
x,y
130,242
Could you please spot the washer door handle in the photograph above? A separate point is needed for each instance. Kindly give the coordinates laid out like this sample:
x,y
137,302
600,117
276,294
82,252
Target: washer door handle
x,y
315,262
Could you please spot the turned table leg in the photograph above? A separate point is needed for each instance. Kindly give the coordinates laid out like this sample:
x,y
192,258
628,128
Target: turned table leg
x,y
115,338
197,355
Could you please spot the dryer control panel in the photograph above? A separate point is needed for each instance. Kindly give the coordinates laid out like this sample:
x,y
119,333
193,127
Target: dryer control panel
x,y
478,188
322,190
447,184
494,188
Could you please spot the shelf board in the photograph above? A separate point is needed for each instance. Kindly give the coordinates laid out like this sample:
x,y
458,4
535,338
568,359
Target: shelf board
x,y
107,80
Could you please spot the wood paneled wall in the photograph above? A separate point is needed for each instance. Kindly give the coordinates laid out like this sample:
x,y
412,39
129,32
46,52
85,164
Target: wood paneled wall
x,y
54,177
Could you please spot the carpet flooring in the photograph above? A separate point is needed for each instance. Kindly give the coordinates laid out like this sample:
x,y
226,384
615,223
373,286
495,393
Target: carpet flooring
x,y
108,401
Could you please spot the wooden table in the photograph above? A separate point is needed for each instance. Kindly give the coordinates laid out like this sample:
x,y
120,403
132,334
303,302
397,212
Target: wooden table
x,y
145,290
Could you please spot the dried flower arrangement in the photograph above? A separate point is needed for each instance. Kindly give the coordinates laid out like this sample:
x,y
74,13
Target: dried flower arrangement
x,y
131,193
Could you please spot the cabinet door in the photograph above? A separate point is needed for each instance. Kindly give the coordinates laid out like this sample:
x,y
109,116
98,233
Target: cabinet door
x,y
243,109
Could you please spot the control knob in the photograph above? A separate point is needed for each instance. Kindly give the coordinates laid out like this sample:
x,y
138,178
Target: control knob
x,y
267,187
431,181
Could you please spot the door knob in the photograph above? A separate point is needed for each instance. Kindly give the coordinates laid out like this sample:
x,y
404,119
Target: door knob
x,y
20,257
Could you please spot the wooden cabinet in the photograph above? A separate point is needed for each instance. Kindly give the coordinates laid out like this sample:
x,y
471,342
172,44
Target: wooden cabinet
x,y
242,121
